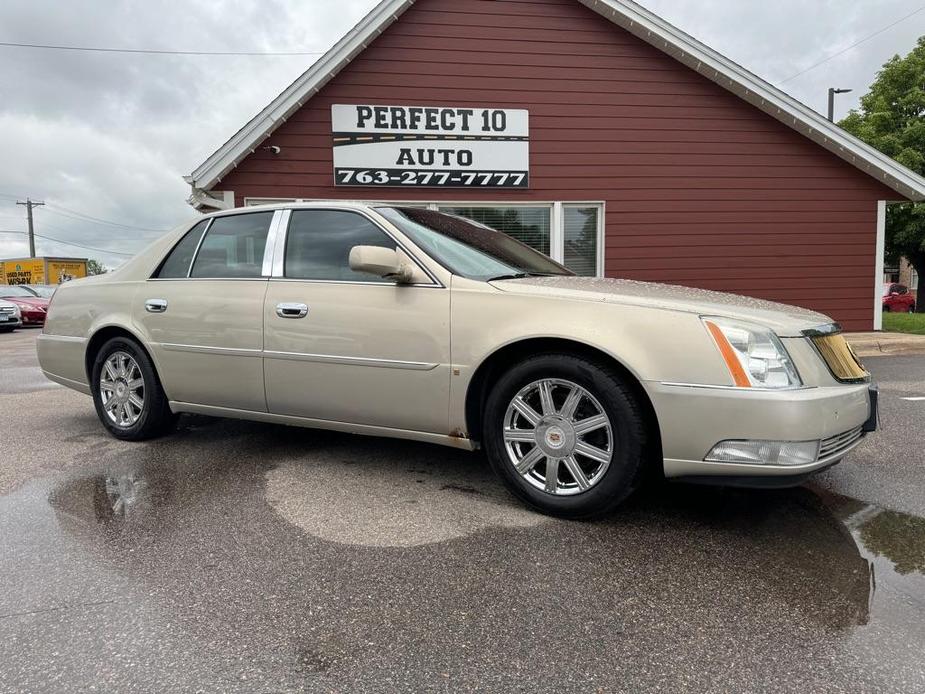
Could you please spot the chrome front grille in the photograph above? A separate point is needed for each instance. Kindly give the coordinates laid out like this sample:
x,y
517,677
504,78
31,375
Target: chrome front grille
x,y
7,309
840,443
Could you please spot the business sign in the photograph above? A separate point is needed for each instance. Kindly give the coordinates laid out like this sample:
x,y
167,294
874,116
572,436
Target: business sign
x,y
430,146
25,271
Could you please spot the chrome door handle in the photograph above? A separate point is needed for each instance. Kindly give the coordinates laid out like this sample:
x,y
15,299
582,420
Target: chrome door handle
x,y
156,305
286,310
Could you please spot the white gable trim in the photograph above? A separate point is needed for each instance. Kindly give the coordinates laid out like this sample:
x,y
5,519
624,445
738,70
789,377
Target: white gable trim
x,y
624,13
247,139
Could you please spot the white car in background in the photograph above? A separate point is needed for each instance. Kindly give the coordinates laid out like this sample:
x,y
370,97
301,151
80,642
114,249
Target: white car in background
x,y
10,316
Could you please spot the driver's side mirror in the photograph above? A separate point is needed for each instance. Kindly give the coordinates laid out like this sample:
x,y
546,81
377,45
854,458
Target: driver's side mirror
x,y
381,262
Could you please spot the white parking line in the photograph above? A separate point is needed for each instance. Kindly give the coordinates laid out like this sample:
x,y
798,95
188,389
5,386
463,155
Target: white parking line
x,y
915,399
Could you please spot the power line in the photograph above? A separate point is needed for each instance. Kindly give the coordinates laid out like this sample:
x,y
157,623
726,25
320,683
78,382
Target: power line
x,y
154,51
853,45
68,243
80,216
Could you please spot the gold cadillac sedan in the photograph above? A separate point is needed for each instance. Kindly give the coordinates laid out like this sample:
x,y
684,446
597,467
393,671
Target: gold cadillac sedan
x,y
406,322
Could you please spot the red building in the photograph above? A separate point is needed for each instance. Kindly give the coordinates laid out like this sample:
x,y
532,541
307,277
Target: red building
x,y
647,154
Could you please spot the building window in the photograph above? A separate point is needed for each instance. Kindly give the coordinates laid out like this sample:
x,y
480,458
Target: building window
x,y
581,231
571,233
529,225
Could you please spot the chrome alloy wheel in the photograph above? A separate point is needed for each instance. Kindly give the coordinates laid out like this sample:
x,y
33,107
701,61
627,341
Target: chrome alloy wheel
x,y
122,389
558,437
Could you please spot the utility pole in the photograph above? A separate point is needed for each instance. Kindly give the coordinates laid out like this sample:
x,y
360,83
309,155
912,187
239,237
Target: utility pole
x,y
832,92
29,204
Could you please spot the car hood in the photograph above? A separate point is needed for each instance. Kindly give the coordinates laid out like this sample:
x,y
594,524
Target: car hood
x,y
27,302
785,320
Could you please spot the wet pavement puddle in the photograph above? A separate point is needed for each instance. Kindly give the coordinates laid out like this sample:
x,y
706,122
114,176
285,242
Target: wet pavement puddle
x,y
302,555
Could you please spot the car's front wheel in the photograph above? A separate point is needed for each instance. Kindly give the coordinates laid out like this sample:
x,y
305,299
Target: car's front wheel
x,y
566,435
129,399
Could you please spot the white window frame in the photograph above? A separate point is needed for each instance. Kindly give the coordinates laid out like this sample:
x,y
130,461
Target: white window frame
x,y
556,218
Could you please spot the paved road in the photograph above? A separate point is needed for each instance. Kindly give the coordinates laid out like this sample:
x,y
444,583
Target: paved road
x,y
242,557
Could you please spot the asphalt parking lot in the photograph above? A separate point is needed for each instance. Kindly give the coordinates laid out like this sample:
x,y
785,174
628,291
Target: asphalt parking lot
x,y
242,557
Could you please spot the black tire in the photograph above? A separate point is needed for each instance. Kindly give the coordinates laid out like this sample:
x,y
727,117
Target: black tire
x,y
7,330
886,309
607,386
155,418
912,308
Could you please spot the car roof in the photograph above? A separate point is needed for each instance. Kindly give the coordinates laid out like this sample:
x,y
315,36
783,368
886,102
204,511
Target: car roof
x,y
341,204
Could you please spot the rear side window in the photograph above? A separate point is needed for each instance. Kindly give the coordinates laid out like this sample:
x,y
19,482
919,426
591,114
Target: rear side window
x,y
319,241
233,246
177,263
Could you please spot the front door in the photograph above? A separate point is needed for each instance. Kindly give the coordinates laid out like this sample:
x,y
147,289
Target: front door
x,y
203,313
349,347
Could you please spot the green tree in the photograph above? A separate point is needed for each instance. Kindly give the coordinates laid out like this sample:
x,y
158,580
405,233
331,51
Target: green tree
x,y
892,119
95,267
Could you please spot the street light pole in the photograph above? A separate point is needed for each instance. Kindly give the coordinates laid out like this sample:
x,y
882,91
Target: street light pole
x,y
832,92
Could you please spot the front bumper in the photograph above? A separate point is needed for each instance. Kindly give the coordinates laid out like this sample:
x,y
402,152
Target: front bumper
x,y
693,419
33,317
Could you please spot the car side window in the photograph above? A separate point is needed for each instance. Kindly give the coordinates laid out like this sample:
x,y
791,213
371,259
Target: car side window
x,y
233,246
177,262
901,289
319,241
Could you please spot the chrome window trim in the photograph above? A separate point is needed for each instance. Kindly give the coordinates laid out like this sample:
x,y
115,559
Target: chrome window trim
x,y
208,279
189,270
272,242
279,270
279,250
160,263
205,233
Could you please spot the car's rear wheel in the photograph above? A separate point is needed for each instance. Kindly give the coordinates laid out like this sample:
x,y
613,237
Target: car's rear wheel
x,y
129,399
886,309
912,308
566,435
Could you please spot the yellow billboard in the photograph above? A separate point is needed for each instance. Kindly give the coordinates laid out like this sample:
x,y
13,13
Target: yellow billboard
x,y
58,271
42,270
24,271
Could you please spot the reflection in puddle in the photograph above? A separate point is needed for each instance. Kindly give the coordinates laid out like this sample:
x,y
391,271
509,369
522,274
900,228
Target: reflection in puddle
x,y
812,547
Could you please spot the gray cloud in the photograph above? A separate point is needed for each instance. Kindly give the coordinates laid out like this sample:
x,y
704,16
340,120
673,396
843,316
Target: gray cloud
x,y
111,135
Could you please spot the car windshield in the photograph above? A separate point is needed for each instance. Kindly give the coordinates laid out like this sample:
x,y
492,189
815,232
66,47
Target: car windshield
x,y
469,249
43,290
14,290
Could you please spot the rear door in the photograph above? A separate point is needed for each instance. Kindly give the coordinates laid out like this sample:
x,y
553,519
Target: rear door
x,y
203,313
349,347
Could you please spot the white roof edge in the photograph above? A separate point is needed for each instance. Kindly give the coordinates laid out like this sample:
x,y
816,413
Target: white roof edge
x,y
309,82
626,14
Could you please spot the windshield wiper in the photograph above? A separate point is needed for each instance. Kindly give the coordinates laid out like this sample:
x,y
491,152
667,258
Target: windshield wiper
x,y
512,276
523,275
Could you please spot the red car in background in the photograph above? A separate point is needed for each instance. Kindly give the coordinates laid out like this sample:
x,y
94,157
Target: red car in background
x,y
897,299
32,306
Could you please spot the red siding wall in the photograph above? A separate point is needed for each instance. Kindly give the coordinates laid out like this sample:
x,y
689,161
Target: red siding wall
x,y
700,187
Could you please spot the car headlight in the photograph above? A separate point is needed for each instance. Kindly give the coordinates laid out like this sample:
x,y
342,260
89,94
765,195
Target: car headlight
x,y
755,356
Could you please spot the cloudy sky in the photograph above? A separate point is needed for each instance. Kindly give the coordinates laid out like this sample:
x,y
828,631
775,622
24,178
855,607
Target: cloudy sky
x,y
104,138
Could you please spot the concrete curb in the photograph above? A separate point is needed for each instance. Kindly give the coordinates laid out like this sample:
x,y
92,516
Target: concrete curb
x,y
886,344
